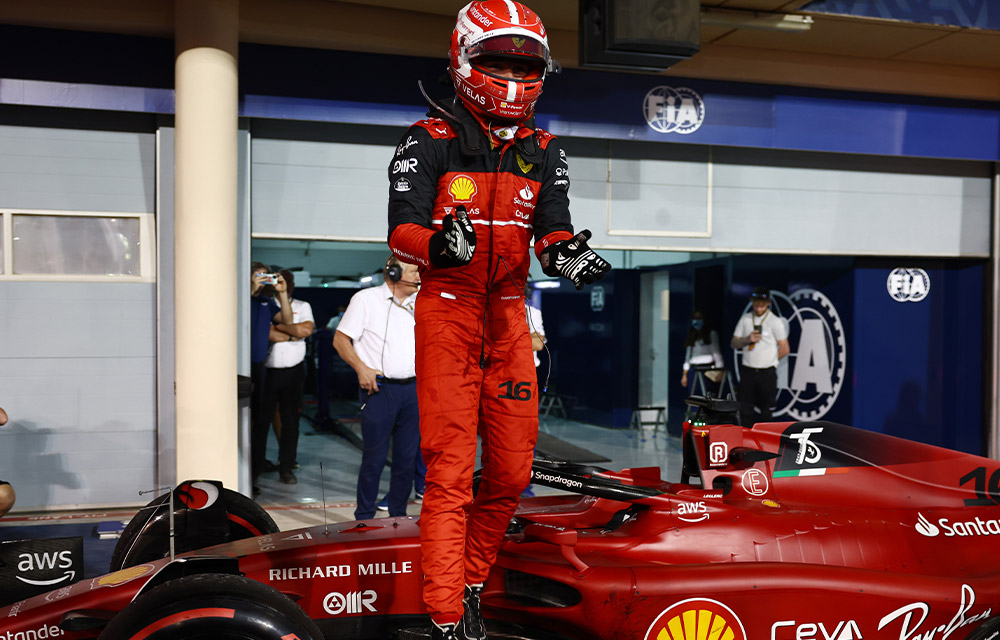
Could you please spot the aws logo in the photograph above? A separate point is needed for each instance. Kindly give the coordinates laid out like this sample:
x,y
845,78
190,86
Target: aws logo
x,y
811,376
462,188
692,511
696,618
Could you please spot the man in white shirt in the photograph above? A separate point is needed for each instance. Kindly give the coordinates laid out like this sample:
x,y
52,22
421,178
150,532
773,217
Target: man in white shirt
x,y
375,337
762,338
286,373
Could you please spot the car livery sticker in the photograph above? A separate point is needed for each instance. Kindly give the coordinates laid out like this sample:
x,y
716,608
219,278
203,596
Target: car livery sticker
x,y
697,618
121,577
823,448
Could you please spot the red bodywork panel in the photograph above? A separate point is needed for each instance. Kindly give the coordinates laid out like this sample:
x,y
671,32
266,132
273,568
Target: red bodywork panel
x,y
787,531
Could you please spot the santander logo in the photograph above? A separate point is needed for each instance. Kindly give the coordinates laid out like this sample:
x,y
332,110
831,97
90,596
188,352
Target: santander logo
x,y
925,526
526,193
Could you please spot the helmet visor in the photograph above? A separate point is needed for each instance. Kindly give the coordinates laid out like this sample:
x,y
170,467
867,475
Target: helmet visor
x,y
511,45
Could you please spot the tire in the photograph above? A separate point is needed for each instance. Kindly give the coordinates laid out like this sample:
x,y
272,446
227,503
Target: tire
x,y
989,630
212,606
139,543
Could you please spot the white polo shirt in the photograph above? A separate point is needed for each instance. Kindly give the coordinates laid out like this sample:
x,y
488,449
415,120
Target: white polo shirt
x,y
765,352
382,330
284,355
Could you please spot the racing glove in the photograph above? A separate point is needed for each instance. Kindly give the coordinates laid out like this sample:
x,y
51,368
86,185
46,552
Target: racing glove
x,y
574,260
455,243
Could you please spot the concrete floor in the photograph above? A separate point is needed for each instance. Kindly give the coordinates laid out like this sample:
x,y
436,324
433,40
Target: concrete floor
x,y
329,466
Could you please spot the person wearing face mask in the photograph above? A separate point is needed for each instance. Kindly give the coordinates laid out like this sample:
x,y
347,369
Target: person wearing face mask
x,y
762,337
701,350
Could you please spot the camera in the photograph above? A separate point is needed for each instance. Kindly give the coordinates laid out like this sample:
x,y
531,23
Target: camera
x,y
267,278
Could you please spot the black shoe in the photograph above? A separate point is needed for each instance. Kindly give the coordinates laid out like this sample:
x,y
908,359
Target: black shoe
x,y
256,490
445,632
269,466
287,477
472,627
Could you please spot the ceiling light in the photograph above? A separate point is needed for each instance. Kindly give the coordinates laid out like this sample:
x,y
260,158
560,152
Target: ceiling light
x,y
756,20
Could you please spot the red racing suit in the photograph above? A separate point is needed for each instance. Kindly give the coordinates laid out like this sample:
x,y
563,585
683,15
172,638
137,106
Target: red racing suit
x,y
475,370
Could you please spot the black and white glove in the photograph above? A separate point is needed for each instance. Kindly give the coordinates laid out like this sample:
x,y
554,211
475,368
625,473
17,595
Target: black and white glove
x,y
574,260
455,243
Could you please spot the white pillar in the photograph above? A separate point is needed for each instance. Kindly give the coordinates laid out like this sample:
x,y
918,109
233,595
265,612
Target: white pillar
x,y
205,165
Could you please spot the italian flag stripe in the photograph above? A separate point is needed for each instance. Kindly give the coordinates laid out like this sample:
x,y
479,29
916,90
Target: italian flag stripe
x,y
810,472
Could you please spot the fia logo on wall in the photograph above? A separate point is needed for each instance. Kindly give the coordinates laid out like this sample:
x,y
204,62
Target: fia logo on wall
x,y
670,110
908,285
811,376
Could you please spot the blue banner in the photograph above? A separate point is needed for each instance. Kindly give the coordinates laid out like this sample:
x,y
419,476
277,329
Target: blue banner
x,y
959,13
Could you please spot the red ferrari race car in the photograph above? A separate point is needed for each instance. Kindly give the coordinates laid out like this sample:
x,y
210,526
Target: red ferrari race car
x,y
786,531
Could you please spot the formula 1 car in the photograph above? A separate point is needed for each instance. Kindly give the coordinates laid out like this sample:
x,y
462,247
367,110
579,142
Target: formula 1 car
x,y
785,531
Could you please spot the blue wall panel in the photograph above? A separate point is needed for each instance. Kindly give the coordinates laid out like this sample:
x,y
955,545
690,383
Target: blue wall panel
x,y
594,348
919,365
961,13
336,86
913,369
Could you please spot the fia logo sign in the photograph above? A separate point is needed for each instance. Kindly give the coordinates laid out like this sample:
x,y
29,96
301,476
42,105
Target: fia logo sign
x,y
908,285
811,376
669,110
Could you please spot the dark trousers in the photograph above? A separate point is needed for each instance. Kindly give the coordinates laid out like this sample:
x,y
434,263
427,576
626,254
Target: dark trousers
x,y
259,420
758,388
283,390
390,414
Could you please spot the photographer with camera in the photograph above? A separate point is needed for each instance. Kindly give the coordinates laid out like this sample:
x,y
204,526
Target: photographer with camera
x,y
763,338
263,313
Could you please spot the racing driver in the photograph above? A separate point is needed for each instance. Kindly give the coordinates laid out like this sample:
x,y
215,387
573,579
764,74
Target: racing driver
x,y
468,189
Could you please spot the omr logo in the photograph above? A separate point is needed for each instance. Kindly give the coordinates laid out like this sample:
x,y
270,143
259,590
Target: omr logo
x,y
354,602
811,376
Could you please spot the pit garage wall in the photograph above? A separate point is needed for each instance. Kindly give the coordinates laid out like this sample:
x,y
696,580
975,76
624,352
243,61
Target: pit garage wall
x,y
77,358
913,369
756,176
623,168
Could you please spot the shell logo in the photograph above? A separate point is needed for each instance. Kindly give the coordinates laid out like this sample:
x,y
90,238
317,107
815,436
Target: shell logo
x,y
697,619
462,188
123,576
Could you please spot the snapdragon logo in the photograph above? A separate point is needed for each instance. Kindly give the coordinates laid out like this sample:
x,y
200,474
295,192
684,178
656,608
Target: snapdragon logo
x,y
961,529
554,479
